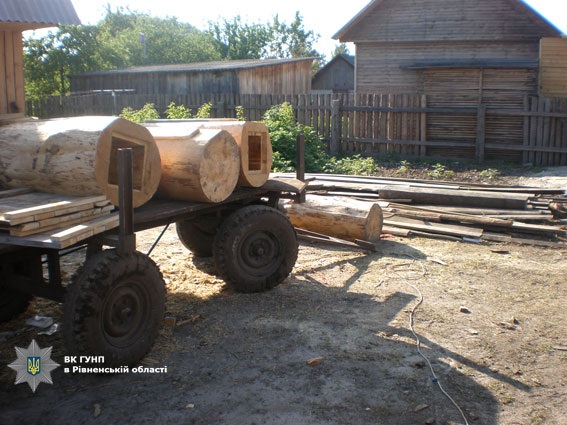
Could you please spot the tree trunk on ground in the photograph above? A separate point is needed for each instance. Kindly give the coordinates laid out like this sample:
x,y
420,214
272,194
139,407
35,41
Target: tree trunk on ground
x,y
349,220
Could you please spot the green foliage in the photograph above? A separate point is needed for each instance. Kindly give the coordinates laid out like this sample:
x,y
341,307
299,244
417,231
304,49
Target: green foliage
x,y
121,39
281,165
440,172
341,49
148,112
174,112
204,111
235,39
240,113
489,173
404,167
284,129
354,165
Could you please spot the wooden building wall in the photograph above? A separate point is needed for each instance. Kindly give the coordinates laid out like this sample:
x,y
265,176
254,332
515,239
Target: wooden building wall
x,y
553,67
12,95
383,68
451,20
288,78
337,77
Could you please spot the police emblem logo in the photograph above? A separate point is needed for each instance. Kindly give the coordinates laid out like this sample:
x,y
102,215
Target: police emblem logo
x,y
33,365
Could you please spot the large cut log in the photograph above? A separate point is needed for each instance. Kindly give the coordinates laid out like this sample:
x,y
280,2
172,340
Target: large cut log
x,y
78,156
253,139
198,164
350,220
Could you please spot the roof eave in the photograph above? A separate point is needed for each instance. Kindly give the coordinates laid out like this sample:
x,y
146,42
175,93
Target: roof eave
x,y
357,18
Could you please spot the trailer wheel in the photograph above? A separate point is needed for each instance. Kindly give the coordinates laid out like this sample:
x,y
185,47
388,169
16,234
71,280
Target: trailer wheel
x,y
198,235
255,249
114,307
12,302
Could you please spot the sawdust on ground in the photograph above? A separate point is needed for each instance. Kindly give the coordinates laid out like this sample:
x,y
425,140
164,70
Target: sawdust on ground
x,y
333,344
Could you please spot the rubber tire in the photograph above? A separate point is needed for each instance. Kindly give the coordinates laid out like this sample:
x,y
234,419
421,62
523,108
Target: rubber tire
x,y
255,249
110,281
196,238
12,303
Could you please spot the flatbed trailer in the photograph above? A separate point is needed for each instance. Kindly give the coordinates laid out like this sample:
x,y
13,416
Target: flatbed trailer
x,y
115,302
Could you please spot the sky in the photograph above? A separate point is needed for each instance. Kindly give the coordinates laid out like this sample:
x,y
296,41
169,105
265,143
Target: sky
x,y
324,17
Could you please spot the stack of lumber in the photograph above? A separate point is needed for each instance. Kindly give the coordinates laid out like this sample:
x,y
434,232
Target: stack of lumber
x,y
55,221
454,211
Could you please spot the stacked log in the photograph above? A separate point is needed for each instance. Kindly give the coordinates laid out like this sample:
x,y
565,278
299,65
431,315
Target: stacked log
x,y
198,164
78,156
252,138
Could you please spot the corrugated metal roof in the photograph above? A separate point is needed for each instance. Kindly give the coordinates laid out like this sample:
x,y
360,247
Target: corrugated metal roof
x,y
55,12
200,66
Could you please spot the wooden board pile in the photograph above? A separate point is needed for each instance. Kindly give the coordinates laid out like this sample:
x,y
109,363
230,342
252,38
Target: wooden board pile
x,y
454,211
57,219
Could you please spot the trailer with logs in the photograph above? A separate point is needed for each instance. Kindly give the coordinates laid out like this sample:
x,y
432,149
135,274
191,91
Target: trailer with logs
x,y
115,302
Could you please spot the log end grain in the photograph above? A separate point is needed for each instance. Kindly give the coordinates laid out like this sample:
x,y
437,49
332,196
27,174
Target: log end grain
x,y
198,165
253,139
146,161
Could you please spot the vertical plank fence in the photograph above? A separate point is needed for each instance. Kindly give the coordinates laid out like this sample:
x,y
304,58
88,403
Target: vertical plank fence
x,y
376,124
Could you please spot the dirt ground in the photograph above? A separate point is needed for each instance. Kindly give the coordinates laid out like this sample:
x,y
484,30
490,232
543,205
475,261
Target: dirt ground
x,y
333,344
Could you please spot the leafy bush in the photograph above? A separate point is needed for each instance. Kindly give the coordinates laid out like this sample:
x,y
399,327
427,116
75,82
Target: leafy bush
x,y
354,165
174,112
240,113
284,129
148,112
440,172
204,111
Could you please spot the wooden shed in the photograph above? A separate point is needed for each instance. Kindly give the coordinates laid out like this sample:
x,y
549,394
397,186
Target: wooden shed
x,y
17,16
457,49
459,53
269,76
337,76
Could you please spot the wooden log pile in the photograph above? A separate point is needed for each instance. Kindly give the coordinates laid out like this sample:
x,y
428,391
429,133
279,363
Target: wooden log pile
x,y
454,211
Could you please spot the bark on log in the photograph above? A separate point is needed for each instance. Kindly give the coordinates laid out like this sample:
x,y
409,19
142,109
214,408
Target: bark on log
x,y
78,156
253,139
198,164
350,221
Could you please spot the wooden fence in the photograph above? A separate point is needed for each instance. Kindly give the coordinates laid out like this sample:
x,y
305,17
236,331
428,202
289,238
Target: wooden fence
x,y
404,125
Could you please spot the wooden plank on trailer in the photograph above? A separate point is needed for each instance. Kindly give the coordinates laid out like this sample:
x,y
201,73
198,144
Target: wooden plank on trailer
x,y
86,229
31,205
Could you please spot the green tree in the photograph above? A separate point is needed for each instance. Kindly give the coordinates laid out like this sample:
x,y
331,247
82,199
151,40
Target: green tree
x,y
237,40
50,59
120,40
293,40
341,49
